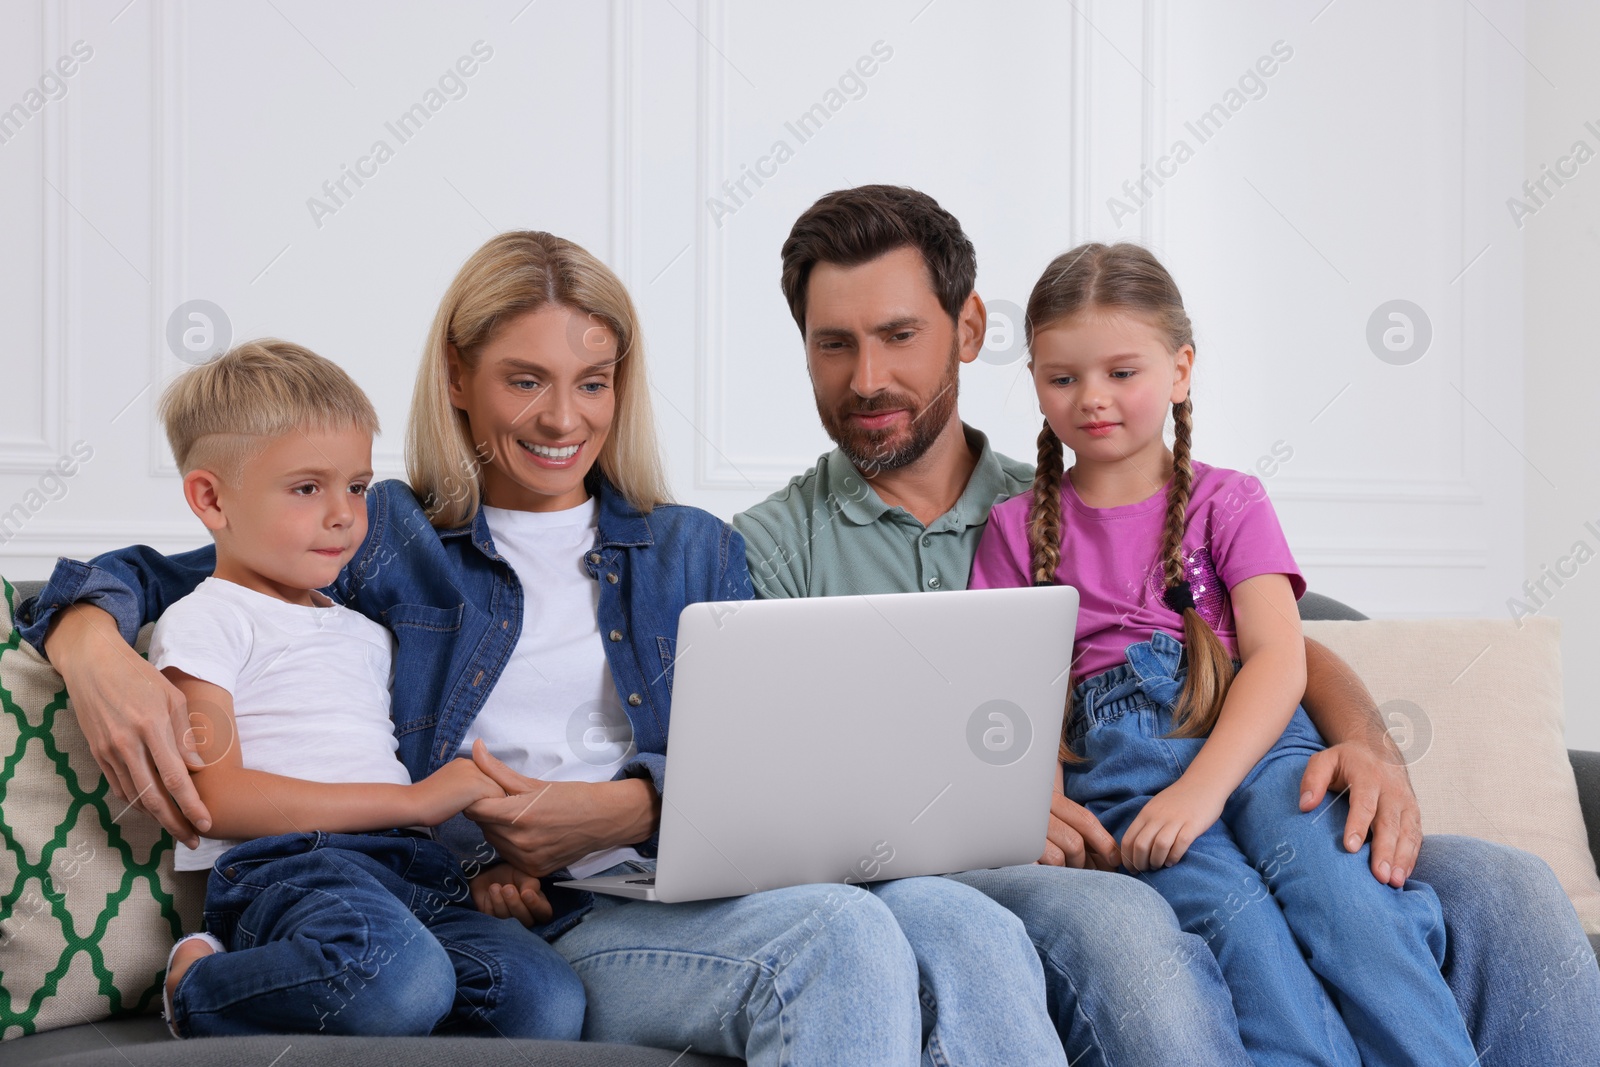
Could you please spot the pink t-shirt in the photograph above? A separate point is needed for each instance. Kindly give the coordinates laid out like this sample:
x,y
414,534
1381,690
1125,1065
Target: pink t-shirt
x,y
1109,556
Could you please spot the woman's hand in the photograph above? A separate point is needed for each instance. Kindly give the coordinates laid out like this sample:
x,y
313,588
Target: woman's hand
x,y
450,790
136,722
507,893
543,826
1161,833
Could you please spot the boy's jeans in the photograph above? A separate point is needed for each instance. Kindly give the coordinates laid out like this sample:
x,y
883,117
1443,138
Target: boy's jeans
x,y
1280,902
366,934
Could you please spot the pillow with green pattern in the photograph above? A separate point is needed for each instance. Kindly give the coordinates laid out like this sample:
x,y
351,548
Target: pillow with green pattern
x,y
89,902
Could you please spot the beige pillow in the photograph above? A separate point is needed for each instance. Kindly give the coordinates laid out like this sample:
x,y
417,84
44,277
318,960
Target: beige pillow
x,y
89,902
1475,705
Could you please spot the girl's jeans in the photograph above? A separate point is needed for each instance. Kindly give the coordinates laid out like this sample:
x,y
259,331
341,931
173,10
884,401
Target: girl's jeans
x,y
371,934
1325,964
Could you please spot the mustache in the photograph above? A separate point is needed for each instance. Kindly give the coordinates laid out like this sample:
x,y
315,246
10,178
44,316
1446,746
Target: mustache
x,y
881,402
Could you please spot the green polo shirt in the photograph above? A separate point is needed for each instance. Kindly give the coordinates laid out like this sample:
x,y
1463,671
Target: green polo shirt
x,y
829,533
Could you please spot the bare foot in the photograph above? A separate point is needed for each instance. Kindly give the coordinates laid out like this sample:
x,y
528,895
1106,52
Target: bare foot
x,y
183,959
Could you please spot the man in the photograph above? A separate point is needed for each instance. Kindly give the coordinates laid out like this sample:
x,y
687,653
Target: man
x,y
881,284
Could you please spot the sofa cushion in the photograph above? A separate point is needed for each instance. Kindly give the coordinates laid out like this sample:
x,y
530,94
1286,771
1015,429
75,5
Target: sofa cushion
x,y
89,902
1476,707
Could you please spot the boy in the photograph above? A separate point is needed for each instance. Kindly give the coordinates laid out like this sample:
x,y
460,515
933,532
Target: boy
x,y
320,914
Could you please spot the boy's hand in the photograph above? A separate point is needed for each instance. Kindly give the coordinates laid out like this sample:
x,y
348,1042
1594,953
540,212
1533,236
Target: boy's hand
x,y
1161,833
507,893
451,789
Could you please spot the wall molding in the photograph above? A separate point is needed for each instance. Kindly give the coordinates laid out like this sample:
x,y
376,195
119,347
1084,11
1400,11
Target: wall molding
x,y
58,401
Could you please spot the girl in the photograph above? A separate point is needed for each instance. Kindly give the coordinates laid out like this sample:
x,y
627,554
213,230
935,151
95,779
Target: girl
x,y
1192,764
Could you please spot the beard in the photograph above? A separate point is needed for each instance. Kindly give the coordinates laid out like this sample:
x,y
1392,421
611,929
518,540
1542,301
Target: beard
x,y
873,451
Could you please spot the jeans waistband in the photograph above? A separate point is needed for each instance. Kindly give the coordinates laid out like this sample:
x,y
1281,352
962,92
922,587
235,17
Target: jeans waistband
x,y
1154,673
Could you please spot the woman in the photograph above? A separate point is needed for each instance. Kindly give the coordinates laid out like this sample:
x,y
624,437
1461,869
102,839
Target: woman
x,y
535,476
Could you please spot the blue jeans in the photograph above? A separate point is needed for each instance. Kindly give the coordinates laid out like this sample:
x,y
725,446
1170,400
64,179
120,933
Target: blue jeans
x,y
1518,961
369,934
1124,983
1325,964
917,970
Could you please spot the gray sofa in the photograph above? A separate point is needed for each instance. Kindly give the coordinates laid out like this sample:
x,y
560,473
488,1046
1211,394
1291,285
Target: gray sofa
x,y
141,1041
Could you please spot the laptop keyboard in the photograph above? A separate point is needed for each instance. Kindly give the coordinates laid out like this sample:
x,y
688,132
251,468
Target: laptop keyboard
x,y
641,881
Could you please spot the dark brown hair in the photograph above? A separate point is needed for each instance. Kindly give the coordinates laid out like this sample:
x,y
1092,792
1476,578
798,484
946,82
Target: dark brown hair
x,y
1126,277
852,226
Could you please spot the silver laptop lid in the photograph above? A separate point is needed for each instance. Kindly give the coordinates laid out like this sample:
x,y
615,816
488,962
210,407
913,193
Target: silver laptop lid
x,y
858,738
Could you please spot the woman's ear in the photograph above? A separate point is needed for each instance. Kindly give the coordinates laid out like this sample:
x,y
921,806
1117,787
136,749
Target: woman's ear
x,y
1184,359
202,491
453,370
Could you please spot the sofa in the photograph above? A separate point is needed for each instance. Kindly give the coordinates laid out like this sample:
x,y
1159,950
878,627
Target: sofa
x,y
140,1039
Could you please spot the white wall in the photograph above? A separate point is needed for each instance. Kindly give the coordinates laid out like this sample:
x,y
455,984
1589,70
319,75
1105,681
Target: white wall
x,y
1562,371
1371,165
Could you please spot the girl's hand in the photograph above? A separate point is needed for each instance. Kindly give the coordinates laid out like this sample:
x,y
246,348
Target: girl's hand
x,y
1169,824
451,789
507,893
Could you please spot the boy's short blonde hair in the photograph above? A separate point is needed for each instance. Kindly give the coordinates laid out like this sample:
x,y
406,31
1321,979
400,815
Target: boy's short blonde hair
x,y
223,412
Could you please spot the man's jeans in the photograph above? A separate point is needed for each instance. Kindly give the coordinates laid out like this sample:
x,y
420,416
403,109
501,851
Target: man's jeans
x,y
1322,960
369,934
916,970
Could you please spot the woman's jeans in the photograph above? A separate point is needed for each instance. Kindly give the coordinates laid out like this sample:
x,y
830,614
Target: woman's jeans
x,y
1325,963
371,934
919,970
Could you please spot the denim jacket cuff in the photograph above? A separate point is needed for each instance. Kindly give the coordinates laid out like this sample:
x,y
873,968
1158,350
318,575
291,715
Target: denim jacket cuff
x,y
75,582
652,767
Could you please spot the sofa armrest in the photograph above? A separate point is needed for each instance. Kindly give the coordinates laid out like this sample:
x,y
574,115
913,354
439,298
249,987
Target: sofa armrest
x,y
1586,768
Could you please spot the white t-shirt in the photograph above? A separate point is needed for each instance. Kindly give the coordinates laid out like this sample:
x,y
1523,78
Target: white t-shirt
x,y
310,686
554,713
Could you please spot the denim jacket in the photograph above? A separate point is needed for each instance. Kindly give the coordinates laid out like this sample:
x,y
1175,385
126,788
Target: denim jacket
x,y
454,606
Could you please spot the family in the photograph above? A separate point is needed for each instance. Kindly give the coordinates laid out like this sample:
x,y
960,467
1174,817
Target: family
x,y
357,706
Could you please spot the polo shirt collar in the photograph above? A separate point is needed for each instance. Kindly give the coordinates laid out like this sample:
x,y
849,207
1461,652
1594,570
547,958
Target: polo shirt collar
x,y
863,506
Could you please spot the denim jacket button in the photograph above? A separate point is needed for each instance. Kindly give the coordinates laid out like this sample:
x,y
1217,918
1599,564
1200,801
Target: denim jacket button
x,y
612,578
230,872
615,635
594,557
634,699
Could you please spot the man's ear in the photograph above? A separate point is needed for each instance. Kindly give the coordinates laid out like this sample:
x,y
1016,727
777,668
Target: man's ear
x,y
1185,375
972,326
202,490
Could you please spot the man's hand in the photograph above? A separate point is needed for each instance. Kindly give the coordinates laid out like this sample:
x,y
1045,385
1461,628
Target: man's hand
x,y
543,826
136,722
1381,801
507,893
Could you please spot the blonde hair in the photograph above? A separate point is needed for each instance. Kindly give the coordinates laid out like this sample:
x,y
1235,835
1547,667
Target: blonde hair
x,y
1126,277
512,274
221,413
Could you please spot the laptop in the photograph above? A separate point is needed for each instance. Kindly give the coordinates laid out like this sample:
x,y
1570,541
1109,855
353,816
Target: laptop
x,y
858,738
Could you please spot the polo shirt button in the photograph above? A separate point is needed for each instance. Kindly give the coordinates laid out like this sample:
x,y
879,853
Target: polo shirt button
x,y
594,557
926,541
933,583
634,699
616,635
612,578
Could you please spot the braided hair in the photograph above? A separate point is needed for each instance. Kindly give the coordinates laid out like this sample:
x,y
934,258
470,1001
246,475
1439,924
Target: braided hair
x,y
1127,277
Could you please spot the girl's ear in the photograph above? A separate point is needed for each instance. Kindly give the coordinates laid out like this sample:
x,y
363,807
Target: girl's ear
x,y
202,490
1185,371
